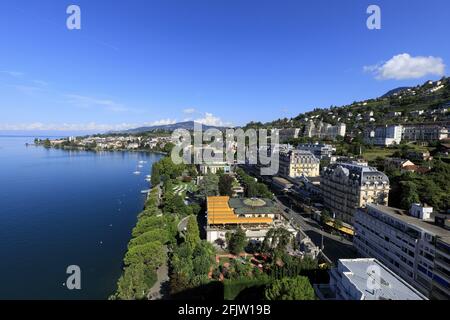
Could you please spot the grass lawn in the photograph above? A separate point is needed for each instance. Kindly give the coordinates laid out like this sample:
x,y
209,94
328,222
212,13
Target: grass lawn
x,y
374,153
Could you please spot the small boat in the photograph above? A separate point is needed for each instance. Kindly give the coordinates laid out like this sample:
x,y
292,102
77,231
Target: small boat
x,y
142,162
137,172
145,191
140,166
148,176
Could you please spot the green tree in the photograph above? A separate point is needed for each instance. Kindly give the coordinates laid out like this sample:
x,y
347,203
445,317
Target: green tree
x,y
226,185
276,239
156,177
135,282
47,143
409,194
209,185
160,235
192,236
151,254
168,147
237,242
297,288
201,265
263,191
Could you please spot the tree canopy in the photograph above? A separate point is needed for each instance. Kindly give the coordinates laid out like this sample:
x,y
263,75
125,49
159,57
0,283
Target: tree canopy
x,y
237,241
296,288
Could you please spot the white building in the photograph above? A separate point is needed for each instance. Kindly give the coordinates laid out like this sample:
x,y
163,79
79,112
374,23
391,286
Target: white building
x,y
425,132
365,279
384,135
407,245
347,186
214,167
297,163
320,150
325,130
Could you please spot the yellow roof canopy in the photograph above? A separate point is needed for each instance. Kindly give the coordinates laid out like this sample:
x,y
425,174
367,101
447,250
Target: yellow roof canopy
x,y
219,212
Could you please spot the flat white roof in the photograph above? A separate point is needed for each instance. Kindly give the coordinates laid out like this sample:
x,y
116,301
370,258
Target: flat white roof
x,y
385,285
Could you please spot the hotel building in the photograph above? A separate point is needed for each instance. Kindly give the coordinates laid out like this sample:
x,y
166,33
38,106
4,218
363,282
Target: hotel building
x,y
365,279
297,163
411,245
346,187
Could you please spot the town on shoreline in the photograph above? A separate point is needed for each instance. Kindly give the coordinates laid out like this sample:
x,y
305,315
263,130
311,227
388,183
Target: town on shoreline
x,y
362,195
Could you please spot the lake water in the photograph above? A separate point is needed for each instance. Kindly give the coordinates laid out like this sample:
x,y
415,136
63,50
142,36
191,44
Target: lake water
x,y
61,208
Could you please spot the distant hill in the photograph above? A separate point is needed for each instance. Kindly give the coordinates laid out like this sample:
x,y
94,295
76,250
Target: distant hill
x,y
394,91
418,104
187,125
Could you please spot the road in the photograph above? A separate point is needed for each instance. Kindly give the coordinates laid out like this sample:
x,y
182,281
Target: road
x,y
335,247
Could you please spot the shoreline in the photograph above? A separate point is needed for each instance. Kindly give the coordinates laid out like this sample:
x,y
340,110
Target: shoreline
x,y
99,150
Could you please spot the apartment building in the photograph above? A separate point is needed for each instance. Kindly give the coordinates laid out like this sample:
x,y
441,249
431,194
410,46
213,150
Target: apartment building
x,y
346,187
365,279
320,150
386,135
425,132
324,130
441,271
297,163
410,244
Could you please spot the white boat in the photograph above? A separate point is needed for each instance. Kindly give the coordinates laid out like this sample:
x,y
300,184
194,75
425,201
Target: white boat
x,y
142,162
145,191
137,172
148,176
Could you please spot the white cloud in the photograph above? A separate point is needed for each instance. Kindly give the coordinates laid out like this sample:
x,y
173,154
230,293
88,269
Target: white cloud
x,y
404,66
15,74
163,122
91,126
87,102
211,120
28,90
41,83
100,127
189,111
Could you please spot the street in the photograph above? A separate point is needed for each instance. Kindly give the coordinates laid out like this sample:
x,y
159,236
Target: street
x,y
335,247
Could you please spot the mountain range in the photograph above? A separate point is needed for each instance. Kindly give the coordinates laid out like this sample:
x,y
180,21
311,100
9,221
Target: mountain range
x,y
187,125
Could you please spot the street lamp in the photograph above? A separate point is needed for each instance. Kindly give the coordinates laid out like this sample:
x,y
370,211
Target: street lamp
x,y
321,243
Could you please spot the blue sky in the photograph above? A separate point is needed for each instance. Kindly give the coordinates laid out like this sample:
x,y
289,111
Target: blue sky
x,y
218,61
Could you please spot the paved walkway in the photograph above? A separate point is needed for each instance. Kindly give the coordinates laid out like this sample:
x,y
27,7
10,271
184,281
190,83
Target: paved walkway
x,y
182,225
161,288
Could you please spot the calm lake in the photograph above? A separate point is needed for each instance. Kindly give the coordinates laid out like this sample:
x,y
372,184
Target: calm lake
x,y
61,208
